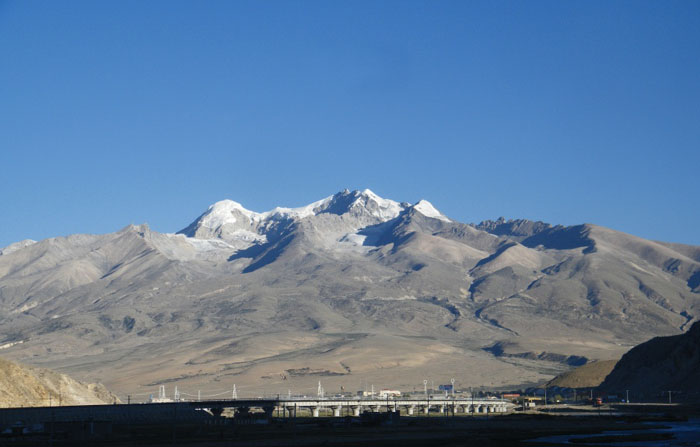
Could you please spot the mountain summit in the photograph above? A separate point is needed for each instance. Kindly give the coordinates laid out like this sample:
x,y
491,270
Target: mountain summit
x,y
351,288
231,222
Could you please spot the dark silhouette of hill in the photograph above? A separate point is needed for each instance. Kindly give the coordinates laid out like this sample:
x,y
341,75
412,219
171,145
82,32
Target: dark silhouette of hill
x,y
659,365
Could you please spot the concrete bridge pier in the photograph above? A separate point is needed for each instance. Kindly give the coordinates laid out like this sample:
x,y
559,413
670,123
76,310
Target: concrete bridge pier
x,y
290,411
269,411
315,411
426,409
356,410
216,411
441,409
410,409
374,408
336,410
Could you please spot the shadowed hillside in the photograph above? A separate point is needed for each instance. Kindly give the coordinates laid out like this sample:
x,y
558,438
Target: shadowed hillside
x,y
660,365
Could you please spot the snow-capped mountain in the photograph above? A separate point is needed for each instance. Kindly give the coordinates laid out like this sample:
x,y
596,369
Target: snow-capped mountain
x,y
351,287
231,222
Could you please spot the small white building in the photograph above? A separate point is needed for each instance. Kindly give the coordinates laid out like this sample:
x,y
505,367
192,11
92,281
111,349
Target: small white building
x,y
389,393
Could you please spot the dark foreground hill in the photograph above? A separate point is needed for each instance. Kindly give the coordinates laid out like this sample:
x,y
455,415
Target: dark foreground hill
x,y
660,365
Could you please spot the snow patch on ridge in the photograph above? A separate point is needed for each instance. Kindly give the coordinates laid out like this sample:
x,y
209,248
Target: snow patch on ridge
x,y
301,212
428,210
354,239
208,244
16,246
11,344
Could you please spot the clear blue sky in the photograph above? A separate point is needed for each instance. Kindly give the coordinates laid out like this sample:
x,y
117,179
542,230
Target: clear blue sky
x,y
144,111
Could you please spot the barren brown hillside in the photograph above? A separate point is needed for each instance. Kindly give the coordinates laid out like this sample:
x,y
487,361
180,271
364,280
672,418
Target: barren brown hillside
x,y
586,376
25,386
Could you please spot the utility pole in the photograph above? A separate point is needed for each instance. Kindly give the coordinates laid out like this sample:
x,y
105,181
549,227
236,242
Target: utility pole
x,y
452,381
174,422
472,396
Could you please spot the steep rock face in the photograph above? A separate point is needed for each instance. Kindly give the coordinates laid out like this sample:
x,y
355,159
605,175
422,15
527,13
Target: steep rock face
x,y
361,287
659,365
26,386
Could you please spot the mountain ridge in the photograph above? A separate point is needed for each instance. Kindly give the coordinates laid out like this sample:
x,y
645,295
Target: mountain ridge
x,y
393,291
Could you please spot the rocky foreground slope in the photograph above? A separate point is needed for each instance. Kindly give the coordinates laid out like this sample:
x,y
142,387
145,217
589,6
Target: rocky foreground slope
x,y
352,290
660,365
26,386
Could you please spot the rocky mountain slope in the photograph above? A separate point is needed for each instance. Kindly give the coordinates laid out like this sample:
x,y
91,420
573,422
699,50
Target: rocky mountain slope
x,y
26,386
353,289
659,365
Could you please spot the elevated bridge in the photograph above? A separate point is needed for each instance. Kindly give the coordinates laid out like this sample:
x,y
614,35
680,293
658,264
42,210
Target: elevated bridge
x,y
411,405
191,410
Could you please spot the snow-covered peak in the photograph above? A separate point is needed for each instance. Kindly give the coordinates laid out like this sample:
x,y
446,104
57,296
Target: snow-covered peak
x,y
16,246
384,209
227,211
427,209
230,221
